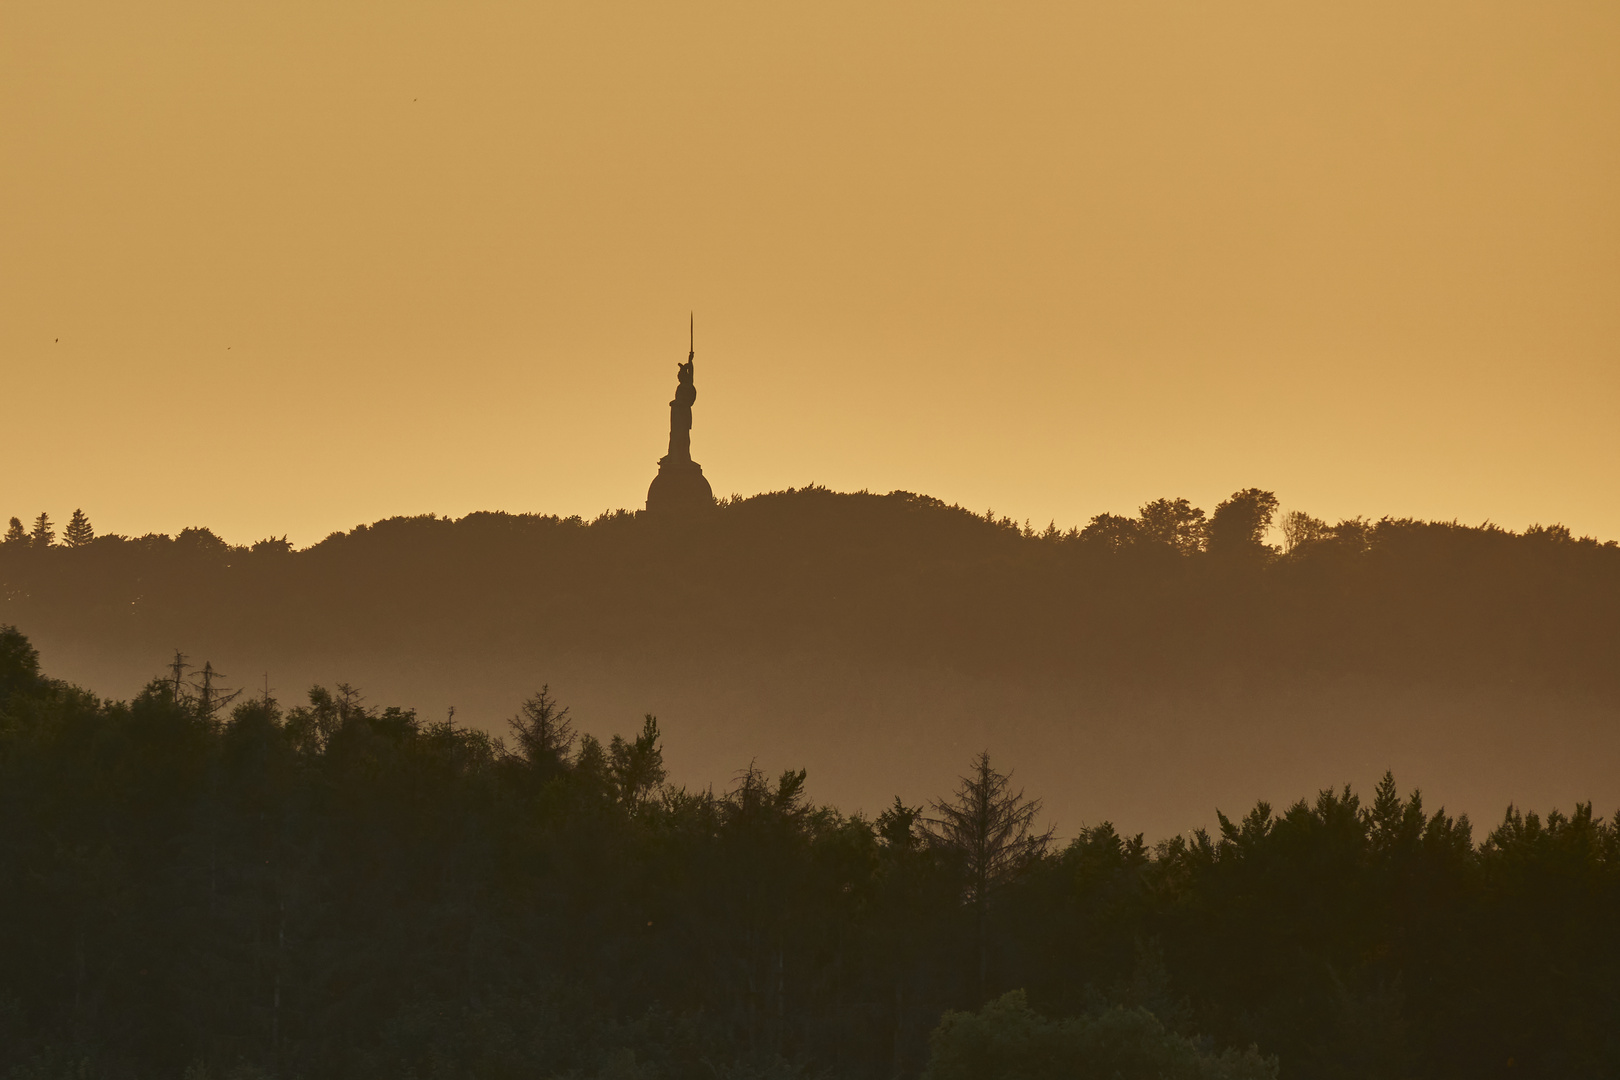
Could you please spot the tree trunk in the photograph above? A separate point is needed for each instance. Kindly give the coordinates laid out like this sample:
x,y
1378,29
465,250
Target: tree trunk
x,y
275,997
979,941
899,1025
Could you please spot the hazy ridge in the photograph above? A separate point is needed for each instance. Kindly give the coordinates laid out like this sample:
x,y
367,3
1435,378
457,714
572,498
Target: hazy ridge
x,y
1142,669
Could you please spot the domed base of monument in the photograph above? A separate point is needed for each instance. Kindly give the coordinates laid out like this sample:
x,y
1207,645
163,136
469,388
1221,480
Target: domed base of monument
x,y
679,488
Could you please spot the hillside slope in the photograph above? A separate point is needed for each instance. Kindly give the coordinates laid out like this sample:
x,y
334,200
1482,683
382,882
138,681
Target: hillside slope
x,y
1124,671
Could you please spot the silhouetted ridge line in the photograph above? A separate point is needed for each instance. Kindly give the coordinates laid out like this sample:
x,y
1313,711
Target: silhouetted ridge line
x,y
897,578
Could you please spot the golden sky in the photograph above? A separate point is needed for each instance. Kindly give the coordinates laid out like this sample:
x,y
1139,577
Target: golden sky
x,y
286,267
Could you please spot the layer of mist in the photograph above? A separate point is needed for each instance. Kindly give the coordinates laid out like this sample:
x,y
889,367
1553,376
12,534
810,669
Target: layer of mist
x,y
1143,670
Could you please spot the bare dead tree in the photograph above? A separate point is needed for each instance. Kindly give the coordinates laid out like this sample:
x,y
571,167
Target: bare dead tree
x,y
177,676
210,698
1300,528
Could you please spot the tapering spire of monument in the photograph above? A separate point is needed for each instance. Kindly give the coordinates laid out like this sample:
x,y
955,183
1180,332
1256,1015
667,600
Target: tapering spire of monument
x,y
680,486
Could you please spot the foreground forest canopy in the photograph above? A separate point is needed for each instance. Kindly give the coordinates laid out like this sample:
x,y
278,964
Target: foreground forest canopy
x,y
339,890
1168,594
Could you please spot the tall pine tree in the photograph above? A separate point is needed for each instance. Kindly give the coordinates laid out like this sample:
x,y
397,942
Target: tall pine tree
x,y
44,535
78,532
988,829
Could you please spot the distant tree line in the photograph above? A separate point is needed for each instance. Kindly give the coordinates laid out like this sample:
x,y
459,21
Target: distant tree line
x,y
195,887
1169,595
79,532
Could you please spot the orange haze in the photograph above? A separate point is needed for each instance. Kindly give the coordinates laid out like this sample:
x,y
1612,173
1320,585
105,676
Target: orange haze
x,y
282,268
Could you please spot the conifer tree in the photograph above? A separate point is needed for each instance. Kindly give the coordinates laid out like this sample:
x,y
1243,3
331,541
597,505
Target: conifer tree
x,y
44,535
544,733
637,767
15,533
78,532
989,829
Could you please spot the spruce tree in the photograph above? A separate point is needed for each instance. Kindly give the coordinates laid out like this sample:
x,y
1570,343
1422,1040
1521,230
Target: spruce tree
x,y
637,767
544,733
78,532
988,829
43,535
15,534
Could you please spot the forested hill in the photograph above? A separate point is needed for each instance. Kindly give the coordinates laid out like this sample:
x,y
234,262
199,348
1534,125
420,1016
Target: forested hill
x,y
817,618
898,576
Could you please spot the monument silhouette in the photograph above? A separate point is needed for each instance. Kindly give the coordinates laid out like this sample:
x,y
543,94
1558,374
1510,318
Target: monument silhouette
x,y
680,488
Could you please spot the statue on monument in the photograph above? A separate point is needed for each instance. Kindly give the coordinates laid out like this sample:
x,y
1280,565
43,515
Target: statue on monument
x,y
680,413
680,487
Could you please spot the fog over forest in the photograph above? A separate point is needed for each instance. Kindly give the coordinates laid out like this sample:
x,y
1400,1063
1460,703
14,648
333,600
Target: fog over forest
x,y
1144,670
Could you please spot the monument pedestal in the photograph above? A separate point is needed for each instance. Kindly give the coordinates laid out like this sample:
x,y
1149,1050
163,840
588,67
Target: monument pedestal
x,y
679,488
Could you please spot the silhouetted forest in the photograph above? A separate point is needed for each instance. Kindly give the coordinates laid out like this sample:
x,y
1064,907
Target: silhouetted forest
x,y
197,887
1148,666
1164,595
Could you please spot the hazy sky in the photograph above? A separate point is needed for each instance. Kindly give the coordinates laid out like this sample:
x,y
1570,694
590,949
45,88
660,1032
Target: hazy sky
x,y
286,267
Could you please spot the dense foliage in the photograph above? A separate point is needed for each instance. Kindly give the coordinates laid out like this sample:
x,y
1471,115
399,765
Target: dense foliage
x,y
1007,1040
336,890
